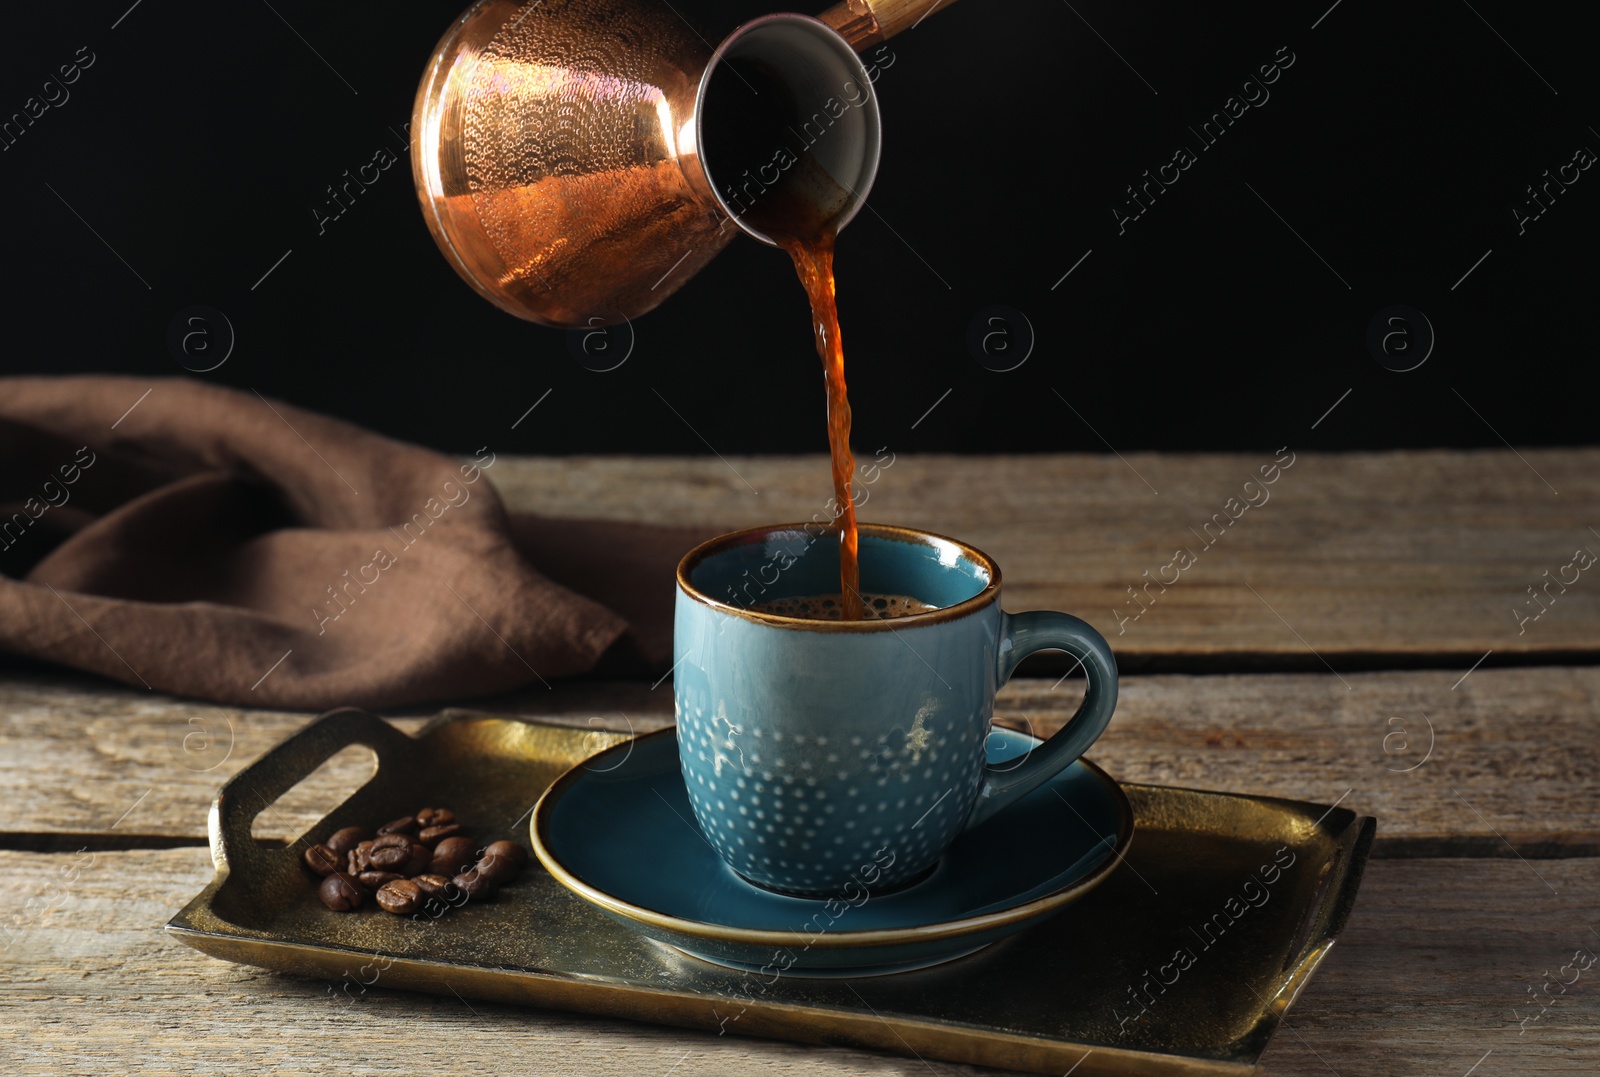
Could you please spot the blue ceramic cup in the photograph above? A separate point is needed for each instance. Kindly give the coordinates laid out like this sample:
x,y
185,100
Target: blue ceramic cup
x,y
823,757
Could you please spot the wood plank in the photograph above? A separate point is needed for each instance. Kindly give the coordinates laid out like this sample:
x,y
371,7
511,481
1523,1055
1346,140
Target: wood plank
x,y
1513,751
1503,762
82,756
1370,560
1431,974
1435,970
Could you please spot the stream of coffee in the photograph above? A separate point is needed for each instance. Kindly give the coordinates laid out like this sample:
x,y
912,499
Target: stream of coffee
x,y
797,210
813,260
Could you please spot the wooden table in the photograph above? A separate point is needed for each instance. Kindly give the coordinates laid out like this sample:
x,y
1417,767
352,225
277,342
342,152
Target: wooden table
x,y
1351,639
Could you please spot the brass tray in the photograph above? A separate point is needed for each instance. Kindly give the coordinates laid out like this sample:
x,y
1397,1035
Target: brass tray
x,y
1183,962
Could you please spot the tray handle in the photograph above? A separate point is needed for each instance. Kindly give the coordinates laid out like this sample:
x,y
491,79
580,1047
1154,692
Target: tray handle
x,y
258,786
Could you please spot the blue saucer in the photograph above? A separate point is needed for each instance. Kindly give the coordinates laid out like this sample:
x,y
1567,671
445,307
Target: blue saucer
x,y
618,831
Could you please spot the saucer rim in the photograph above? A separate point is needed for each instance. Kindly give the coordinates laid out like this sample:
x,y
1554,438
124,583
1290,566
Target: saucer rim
x,y
943,929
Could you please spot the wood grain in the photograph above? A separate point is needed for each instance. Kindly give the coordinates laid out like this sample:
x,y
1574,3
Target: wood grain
x,y
1356,562
1367,560
1513,758
1503,762
84,757
1431,973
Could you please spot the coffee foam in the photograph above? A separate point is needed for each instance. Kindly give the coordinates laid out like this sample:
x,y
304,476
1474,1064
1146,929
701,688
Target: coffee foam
x,y
828,607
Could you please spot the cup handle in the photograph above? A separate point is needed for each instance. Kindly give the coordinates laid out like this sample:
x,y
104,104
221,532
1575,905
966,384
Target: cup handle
x,y
1022,634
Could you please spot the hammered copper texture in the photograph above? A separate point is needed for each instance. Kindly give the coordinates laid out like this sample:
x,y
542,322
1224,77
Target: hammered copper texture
x,y
562,193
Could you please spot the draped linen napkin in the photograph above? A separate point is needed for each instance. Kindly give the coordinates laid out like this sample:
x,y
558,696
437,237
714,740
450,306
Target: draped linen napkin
x,y
218,544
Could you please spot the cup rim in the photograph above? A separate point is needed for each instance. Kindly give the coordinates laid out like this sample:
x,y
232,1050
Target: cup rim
x,y
695,557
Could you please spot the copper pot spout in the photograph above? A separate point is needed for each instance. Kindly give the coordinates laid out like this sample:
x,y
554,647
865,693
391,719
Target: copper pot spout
x,y
560,147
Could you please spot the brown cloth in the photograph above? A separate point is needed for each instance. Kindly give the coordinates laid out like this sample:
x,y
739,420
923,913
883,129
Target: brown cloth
x,y
217,544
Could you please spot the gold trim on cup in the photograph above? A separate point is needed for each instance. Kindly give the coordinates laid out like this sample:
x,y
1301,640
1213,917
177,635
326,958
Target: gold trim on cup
x,y
700,553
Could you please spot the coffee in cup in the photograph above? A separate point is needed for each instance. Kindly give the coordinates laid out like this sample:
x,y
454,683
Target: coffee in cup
x,y
821,753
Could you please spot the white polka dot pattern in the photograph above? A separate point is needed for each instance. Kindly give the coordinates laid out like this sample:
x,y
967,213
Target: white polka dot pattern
x,y
802,812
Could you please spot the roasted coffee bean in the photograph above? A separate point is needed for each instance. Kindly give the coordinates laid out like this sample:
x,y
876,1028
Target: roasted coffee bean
x,y
342,841
497,869
502,860
323,860
477,885
341,893
511,850
361,858
421,860
392,857
400,897
406,824
433,835
453,855
439,895
432,885
413,861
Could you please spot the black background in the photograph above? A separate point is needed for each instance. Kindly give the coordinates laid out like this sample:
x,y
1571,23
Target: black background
x,y
202,136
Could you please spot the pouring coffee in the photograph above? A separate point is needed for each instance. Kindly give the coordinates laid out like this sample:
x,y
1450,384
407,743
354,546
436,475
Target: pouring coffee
x,y
578,162
562,163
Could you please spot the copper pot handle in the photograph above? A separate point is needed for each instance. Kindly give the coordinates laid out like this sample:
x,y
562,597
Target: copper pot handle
x,y
865,23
